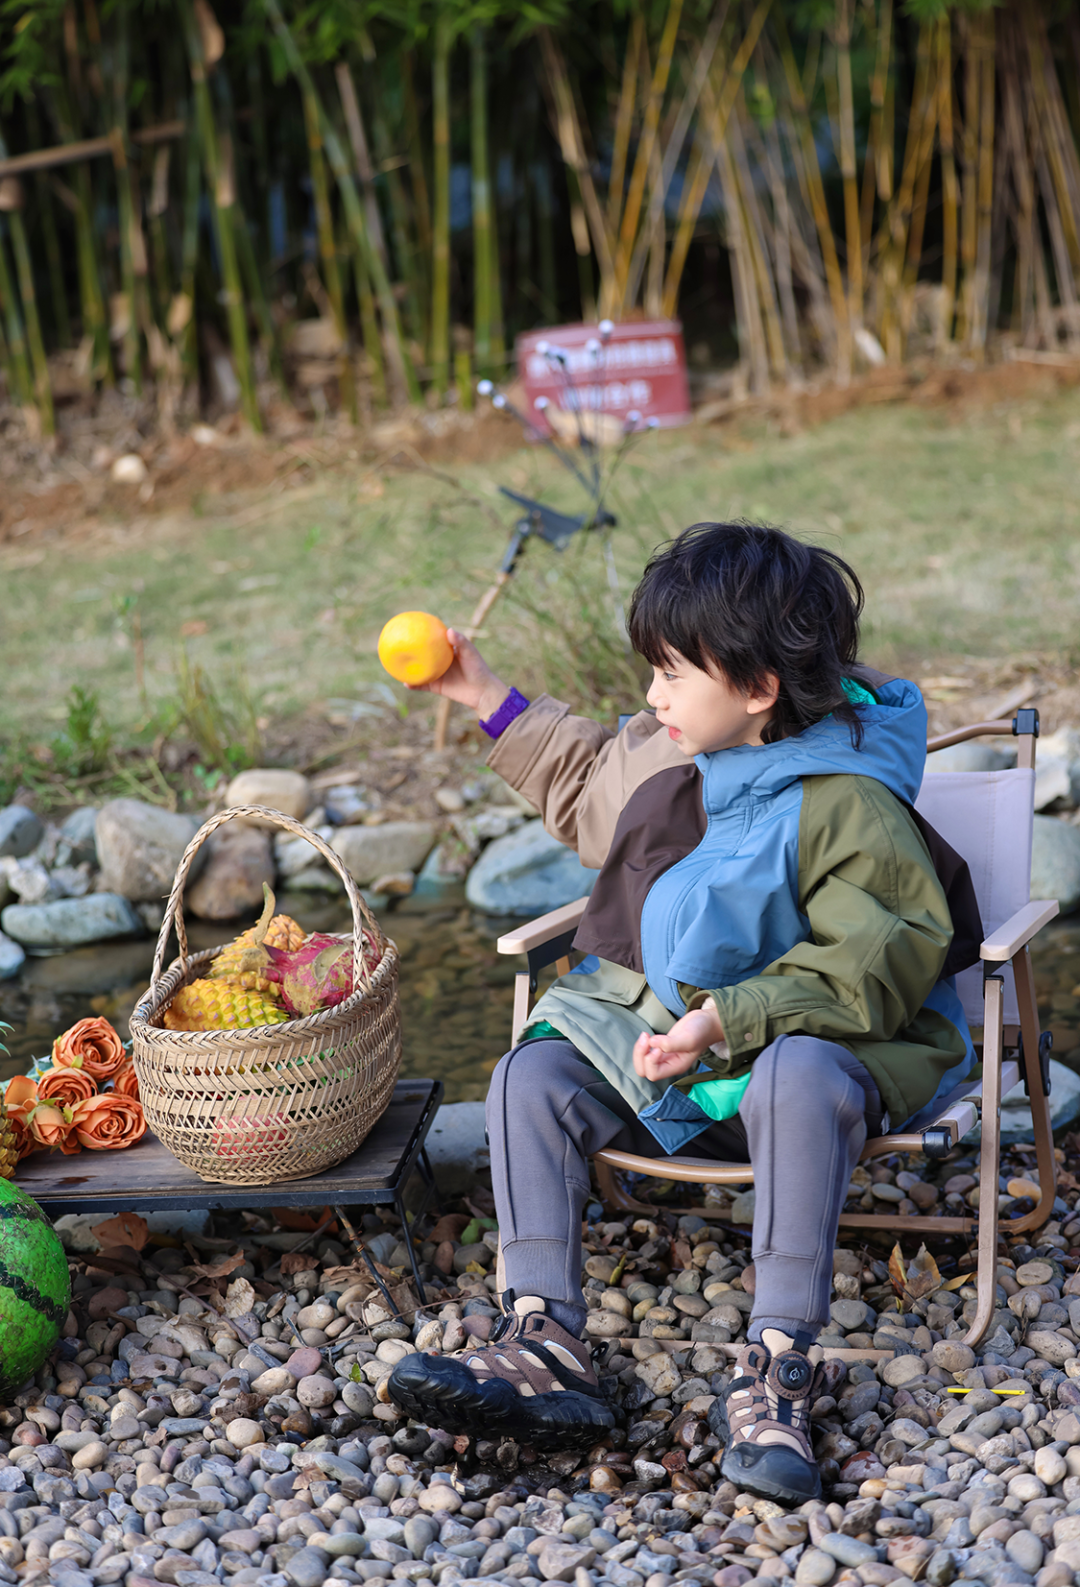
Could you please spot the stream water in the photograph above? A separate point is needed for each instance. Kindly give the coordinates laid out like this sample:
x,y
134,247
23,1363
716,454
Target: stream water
x,y
456,990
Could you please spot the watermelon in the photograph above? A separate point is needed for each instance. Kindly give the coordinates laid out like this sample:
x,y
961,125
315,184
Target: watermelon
x,y
35,1289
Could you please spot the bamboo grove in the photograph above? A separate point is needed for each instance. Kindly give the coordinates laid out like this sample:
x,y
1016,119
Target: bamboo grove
x,y
358,203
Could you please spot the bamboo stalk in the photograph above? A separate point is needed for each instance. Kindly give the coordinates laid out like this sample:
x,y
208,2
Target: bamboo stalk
x,y
770,160
404,221
949,189
690,202
752,350
985,188
79,199
646,146
132,247
39,363
485,245
917,153
439,352
715,115
416,156
624,121
969,149
324,223
579,178
46,214
852,219
819,208
23,385
1046,91
221,183
189,253
365,171
877,172
369,324
651,236
397,357
758,248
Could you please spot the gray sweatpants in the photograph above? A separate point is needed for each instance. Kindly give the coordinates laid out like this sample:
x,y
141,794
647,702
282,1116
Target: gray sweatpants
x,y
803,1121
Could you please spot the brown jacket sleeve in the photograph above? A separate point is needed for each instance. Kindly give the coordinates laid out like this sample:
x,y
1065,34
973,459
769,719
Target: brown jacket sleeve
x,y
578,774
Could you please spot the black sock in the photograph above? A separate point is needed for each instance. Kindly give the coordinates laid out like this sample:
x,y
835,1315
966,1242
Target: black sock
x,y
568,1314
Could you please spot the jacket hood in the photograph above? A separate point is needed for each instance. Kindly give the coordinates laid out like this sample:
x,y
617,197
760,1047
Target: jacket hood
x,y
893,752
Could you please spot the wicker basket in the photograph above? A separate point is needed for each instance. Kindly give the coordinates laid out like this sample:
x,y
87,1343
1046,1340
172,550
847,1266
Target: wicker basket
x,y
277,1102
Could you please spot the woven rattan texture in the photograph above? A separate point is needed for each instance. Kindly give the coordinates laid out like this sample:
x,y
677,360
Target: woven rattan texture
x,y
278,1102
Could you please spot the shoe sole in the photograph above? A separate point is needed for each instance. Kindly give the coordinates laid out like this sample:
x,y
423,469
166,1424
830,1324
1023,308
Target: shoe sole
x,y
757,1479
442,1393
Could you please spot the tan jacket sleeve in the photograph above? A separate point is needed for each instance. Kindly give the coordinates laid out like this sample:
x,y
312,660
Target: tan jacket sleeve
x,y
578,774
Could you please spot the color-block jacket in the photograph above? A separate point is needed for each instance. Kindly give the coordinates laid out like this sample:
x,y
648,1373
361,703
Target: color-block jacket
x,y
791,882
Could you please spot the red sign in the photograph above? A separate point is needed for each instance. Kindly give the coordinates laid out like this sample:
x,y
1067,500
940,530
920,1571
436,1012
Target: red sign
x,y
639,367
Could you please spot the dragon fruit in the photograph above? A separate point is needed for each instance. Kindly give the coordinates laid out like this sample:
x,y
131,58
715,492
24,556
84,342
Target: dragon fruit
x,y
316,975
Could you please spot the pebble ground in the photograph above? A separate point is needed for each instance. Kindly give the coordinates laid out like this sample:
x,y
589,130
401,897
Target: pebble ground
x,y
199,1430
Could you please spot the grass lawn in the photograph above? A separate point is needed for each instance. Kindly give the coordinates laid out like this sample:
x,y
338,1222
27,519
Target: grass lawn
x,y
966,534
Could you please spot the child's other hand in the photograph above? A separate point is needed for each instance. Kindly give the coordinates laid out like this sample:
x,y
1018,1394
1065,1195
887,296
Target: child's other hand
x,y
468,679
668,1057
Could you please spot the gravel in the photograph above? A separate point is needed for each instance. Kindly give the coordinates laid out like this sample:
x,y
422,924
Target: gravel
x,y
198,1430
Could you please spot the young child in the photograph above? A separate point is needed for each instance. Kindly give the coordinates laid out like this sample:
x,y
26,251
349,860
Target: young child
x,y
767,931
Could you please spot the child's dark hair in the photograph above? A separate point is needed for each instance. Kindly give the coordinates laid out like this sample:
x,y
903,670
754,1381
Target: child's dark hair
x,y
749,600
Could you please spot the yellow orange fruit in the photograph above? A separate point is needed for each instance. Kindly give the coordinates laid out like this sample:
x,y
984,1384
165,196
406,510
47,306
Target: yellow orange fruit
x,y
414,648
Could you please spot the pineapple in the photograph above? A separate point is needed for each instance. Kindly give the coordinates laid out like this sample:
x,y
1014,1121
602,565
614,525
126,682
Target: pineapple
x,y
223,1003
282,932
9,1149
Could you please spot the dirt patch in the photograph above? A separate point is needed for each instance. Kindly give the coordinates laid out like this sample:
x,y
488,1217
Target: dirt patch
x,y
65,491
960,389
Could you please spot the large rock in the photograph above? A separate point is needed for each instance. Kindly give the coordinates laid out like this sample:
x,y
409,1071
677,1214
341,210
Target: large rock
x,y
140,846
70,922
12,958
274,787
1053,782
1055,862
239,860
371,852
527,872
20,831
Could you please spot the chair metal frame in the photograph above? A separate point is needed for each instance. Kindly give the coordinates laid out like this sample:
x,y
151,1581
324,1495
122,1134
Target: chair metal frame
x,y
548,941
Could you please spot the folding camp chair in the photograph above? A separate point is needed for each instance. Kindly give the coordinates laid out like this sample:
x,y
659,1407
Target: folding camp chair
x,y
987,817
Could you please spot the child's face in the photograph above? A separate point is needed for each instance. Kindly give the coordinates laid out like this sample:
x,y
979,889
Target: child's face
x,y
702,712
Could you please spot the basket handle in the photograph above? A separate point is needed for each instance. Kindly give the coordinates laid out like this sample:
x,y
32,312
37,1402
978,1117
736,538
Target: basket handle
x,y
361,914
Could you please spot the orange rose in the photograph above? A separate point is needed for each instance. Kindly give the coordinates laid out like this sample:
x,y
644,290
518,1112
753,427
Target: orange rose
x,y
125,1081
108,1122
65,1087
93,1046
51,1126
20,1097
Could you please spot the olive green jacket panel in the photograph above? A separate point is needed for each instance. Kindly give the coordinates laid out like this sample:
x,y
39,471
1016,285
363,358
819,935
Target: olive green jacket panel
x,y
879,932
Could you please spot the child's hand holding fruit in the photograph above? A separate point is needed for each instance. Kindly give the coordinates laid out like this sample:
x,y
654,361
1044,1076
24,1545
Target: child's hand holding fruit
x,y
422,653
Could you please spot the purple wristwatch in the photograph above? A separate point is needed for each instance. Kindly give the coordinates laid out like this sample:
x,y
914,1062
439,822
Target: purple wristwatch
x,y
500,720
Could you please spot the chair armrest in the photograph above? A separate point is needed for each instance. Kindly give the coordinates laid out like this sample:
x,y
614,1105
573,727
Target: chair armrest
x,y
1016,932
536,932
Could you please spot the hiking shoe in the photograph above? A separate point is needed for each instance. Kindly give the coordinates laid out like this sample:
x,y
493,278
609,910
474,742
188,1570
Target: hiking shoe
x,y
763,1420
533,1382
